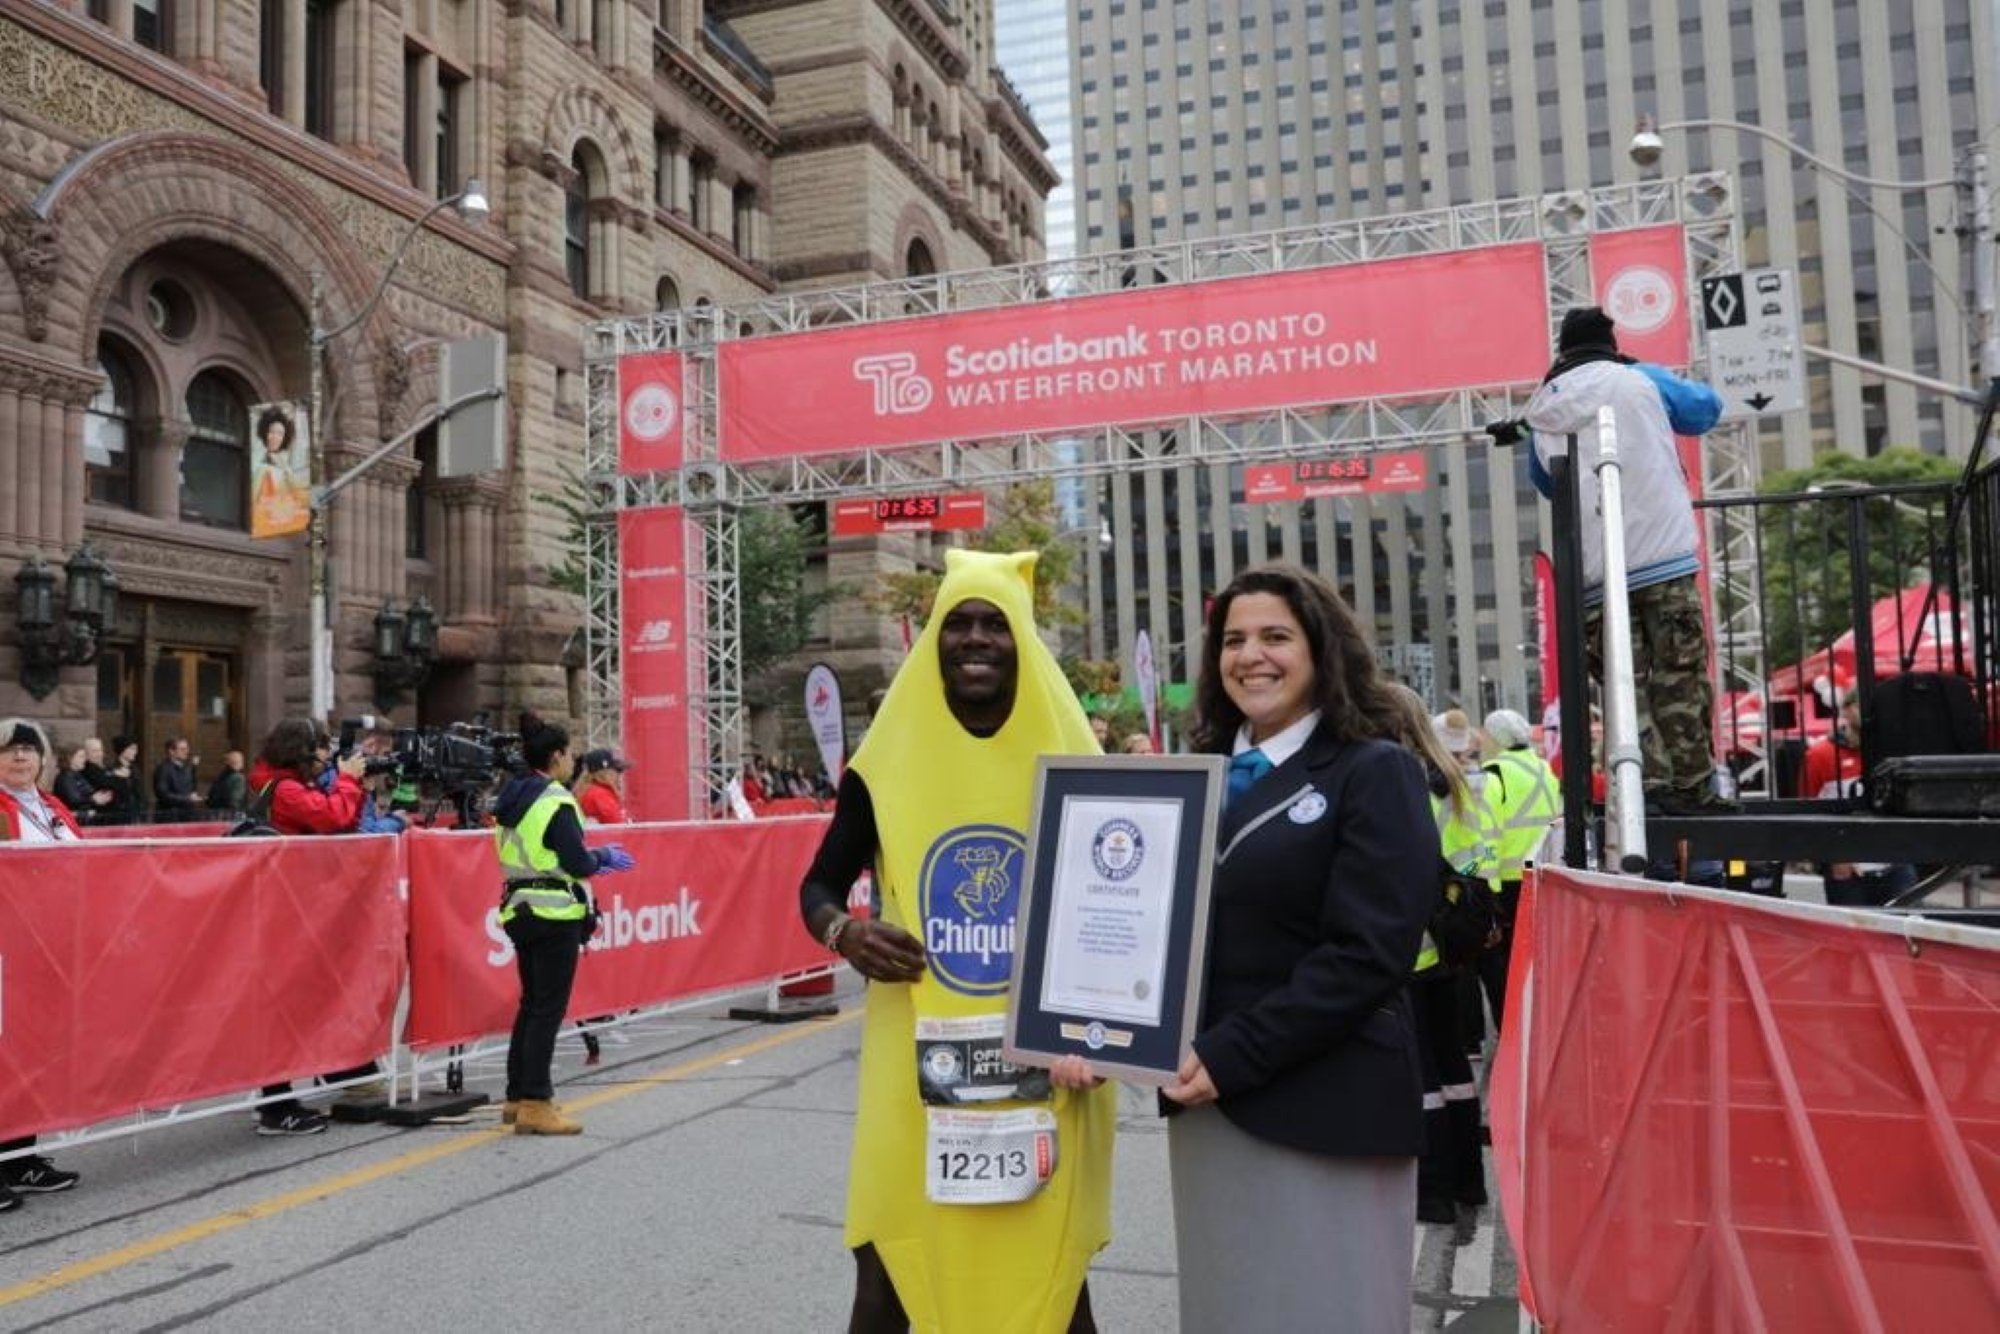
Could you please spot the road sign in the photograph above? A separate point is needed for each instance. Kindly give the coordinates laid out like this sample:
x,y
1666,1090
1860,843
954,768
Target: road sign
x,y
1752,323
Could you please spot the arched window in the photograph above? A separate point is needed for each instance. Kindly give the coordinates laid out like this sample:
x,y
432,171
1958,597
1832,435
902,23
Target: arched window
x,y
918,261
107,428
667,296
215,460
576,223
417,527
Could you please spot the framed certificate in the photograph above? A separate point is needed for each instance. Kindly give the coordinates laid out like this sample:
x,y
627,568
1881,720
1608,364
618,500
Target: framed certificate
x,y
1113,919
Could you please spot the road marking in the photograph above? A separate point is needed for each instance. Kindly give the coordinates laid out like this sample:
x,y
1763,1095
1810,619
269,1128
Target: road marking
x,y
72,1274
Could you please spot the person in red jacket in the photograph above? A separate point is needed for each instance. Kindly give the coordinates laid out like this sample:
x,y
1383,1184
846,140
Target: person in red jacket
x,y
295,754
597,787
285,793
29,815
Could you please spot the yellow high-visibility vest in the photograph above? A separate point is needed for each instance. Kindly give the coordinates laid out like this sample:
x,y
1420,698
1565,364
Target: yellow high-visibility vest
x,y
529,864
1522,791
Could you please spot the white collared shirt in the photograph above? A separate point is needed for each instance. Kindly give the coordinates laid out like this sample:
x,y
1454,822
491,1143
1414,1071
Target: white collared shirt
x,y
38,821
1282,746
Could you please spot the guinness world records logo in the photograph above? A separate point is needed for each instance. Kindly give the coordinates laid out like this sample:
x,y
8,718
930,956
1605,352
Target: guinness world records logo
x,y
968,891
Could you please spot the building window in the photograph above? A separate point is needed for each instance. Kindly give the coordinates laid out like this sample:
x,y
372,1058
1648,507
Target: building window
x,y
667,296
107,429
701,179
742,218
451,105
576,227
320,16
416,522
152,23
917,260
214,461
271,53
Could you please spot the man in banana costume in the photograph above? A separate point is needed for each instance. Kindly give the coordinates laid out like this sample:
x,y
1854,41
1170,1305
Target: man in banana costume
x,y
976,1193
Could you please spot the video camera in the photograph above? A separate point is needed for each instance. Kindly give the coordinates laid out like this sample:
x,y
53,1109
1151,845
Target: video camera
x,y
455,763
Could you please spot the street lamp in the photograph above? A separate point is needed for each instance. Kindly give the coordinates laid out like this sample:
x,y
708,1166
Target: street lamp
x,y
1970,176
90,608
471,203
405,646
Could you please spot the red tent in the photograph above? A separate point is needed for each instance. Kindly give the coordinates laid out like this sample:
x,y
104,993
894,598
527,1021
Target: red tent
x,y
1899,625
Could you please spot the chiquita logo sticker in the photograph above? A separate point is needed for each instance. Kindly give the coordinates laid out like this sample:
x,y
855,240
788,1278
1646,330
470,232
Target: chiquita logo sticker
x,y
968,891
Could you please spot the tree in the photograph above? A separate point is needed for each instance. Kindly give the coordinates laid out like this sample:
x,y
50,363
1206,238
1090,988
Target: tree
x,y
776,608
1806,548
1027,521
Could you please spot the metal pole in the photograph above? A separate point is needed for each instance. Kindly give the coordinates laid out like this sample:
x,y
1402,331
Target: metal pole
x,y
1986,328
1621,708
1574,702
320,646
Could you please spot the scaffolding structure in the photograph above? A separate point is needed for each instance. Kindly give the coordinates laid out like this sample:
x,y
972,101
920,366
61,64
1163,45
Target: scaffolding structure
x,y
713,491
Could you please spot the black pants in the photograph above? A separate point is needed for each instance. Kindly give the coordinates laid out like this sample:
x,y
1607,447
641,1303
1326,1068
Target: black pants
x,y
545,954
1451,1167
1493,964
878,1310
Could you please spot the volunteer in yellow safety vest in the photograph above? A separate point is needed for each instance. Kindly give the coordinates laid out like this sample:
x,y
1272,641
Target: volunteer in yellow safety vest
x,y
1449,1172
545,909
1525,799
977,1193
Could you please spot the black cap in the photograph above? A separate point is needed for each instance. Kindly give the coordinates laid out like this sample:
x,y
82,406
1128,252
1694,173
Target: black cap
x,y
20,734
593,760
1587,329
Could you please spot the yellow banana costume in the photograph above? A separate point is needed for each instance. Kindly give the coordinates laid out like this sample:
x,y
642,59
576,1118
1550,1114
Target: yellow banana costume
x,y
950,811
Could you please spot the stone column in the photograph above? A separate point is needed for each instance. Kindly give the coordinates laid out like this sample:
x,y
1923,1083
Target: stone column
x,y
294,60
28,479
10,457
156,466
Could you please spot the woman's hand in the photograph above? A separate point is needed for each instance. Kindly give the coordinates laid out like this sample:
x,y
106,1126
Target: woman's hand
x,y
1194,1087
882,952
1073,1072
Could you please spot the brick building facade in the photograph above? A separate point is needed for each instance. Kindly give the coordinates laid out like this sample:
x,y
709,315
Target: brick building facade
x,y
177,175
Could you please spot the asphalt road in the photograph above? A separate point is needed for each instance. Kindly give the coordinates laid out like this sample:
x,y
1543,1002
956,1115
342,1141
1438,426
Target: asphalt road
x,y
705,1194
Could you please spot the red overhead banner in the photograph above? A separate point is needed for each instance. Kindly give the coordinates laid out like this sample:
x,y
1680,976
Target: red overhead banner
x,y
141,975
1640,278
1348,475
653,663
1384,328
651,412
708,906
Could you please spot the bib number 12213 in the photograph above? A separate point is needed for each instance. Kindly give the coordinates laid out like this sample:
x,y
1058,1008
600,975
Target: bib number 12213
x,y
974,1157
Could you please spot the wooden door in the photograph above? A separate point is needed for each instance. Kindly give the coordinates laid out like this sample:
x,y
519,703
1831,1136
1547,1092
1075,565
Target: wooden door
x,y
195,693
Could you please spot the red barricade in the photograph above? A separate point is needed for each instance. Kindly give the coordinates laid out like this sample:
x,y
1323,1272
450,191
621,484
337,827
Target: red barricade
x,y
137,976
1711,1112
709,906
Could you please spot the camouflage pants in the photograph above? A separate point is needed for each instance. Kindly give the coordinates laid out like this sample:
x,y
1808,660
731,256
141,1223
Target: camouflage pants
x,y
1670,678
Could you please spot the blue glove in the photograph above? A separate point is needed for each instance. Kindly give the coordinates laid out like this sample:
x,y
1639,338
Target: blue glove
x,y
615,858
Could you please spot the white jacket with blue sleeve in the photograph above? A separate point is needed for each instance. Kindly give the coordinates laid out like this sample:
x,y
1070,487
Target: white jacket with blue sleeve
x,y
1653,406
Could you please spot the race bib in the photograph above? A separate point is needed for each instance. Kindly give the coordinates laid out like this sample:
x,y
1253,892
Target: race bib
x,y
959,1061
975,1157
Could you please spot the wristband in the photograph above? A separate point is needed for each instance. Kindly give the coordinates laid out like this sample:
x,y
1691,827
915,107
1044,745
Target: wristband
x,y
834,931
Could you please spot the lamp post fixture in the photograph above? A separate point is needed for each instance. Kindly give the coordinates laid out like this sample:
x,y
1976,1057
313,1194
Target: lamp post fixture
x,y
471,203
405,647
90,606
1970,177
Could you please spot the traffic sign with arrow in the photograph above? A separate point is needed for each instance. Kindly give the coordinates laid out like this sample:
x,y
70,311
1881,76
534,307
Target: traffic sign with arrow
x,y
1751,320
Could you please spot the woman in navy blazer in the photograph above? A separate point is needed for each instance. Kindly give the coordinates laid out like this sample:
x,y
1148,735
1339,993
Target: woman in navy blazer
x,y
1298,1111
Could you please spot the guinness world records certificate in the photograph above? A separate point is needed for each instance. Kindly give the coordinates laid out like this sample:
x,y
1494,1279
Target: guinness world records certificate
x,y
1113,920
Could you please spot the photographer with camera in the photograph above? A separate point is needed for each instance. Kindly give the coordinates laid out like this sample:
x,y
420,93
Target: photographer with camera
x,y
288,794
546,910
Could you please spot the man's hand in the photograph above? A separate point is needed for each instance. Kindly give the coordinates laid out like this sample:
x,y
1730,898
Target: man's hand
x,y
1511,432
881,952
1073,1072
353,766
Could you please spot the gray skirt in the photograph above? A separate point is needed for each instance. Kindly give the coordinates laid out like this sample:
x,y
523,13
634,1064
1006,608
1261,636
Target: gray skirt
x,y
1275,1239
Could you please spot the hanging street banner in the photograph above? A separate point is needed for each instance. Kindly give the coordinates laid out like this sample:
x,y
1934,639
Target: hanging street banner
x,y
1348,475
281,449
829,722
1640,277
652,411
1375,329
653,660
1751,320
956,511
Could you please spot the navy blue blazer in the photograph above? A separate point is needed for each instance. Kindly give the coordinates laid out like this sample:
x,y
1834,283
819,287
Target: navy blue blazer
x,y
1325,878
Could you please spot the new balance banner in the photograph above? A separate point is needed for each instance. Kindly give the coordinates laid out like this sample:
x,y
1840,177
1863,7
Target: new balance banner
x,y
708,907
1385,328
651,412
141,975
1640,277
653,665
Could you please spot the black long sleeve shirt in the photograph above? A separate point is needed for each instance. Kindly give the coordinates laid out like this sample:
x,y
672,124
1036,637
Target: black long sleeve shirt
x,y
846,851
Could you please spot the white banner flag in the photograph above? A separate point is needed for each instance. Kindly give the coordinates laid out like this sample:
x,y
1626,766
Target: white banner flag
x,y
829,722
1144,668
